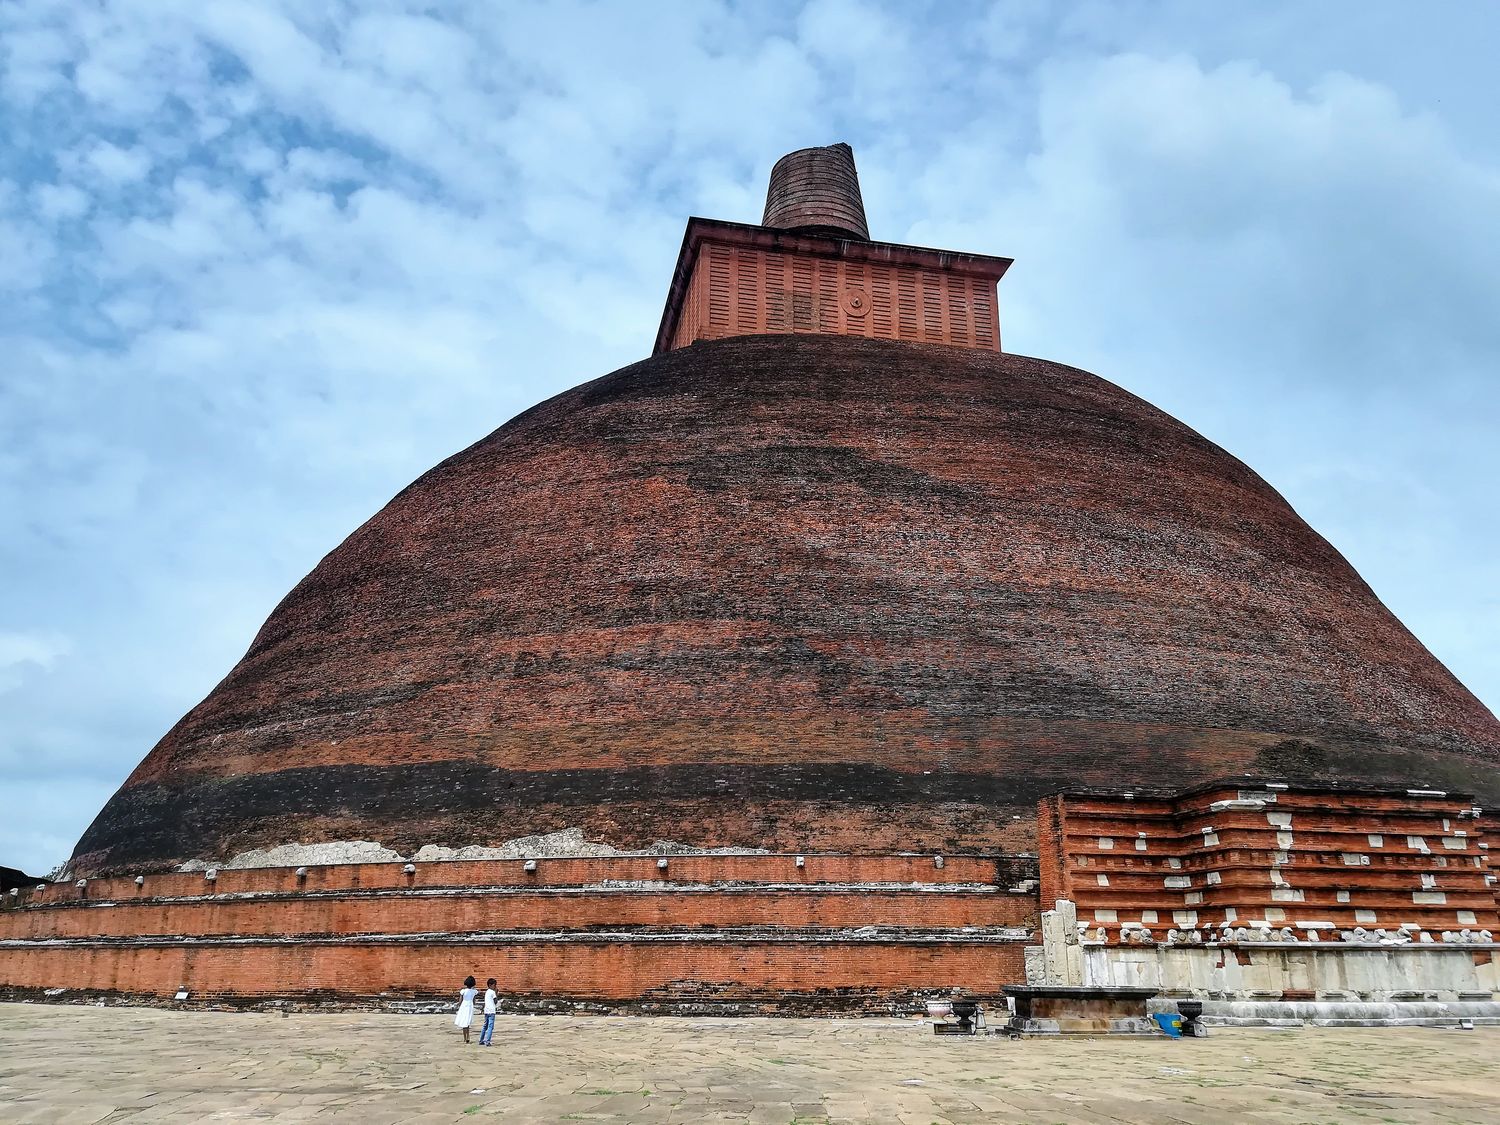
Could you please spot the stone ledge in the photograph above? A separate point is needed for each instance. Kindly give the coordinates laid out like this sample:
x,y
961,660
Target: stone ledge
x,y
562,890
868,935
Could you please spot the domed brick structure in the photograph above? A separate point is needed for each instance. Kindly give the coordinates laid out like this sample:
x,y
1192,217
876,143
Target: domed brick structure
x,y
741,671
800,592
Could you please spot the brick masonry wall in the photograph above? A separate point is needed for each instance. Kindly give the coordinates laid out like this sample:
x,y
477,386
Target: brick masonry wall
x,y
741,291
822,974
413,912
562,872
1320,864
839,932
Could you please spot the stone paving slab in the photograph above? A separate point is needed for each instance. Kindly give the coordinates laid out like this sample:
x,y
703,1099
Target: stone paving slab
x,y
84,1065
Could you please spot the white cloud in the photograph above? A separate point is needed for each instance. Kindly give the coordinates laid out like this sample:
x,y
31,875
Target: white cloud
x,y
59,202
23,652
119,165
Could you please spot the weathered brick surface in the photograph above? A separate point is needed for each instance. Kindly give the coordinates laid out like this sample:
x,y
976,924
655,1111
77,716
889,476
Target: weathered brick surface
x,y
776,972
753,870
753,928
739,290
817,189
406,912
1311,861
806,593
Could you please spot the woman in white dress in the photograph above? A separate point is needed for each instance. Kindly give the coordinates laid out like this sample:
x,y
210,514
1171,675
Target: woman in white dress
x,y
465,1016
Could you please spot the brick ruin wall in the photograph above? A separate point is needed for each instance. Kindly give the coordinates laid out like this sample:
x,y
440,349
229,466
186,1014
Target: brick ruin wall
x,y
705,933
743,291
1258,862
1222,867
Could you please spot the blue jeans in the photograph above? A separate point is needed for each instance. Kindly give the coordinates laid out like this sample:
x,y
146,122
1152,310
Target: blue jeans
x,y
489,1030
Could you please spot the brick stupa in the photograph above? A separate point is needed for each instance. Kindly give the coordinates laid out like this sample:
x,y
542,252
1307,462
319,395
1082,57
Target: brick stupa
x,y
828,572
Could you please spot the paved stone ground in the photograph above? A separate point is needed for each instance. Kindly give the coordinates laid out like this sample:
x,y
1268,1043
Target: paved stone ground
x,y
84,1064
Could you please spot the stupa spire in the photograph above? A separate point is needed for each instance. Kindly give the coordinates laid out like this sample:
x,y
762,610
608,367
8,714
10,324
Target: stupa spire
x,y
816,191
810,267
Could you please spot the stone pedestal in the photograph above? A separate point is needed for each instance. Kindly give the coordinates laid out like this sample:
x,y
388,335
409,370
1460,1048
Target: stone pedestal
x,y
1059,1009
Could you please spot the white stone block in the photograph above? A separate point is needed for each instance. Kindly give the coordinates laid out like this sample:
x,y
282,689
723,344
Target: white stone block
x,y
1376,840
1106,916
1106,843
1212,878
1364,916
1148,916
1456,843
1103,880
1177,882
1342,896
1429,898
1466,918
1286,894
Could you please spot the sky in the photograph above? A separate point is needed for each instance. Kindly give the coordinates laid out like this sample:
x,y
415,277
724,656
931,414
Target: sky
x,y
263,263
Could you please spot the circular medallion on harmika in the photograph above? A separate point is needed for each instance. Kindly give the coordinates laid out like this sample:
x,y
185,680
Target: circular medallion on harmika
x,y
856,302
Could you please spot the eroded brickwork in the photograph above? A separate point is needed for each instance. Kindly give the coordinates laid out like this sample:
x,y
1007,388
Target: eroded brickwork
x,y
828,933
785,976
1306,865
817,189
